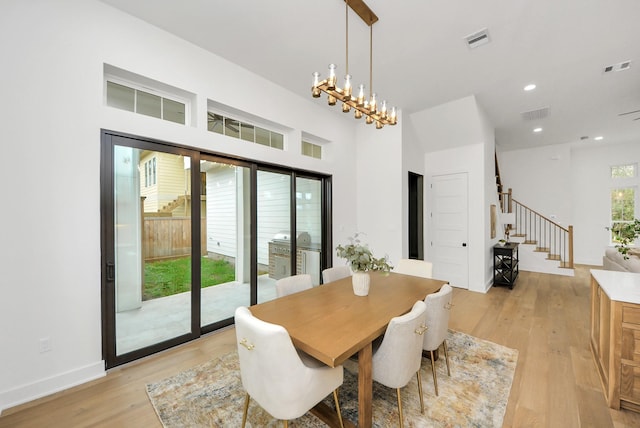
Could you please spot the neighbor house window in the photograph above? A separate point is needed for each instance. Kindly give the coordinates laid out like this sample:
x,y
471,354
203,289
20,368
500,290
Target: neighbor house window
x,y
150,172
143,102
245,131
312,150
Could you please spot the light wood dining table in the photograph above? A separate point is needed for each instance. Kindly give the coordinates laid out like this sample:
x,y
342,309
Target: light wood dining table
x,y
331,323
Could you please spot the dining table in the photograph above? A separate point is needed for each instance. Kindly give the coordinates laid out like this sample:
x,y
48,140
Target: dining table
x,y
331,323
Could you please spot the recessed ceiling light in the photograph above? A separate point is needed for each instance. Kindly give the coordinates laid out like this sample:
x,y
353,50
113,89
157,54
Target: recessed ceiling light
x,y
598,138
530,87
537,129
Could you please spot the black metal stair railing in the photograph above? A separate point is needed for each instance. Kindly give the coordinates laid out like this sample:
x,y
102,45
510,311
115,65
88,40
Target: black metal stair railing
x,y
547,235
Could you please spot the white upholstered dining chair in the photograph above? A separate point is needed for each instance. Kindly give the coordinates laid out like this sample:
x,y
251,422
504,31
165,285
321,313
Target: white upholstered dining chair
x,y
293,284
285,383
437,322
335,273
399,356
414,267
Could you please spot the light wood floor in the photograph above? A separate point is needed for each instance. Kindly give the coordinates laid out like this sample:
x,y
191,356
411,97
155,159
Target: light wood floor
x,y
545,317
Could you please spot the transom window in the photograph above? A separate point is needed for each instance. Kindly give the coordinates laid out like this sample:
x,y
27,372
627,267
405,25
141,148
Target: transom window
x,y
245,131
132,99
623,171
312,150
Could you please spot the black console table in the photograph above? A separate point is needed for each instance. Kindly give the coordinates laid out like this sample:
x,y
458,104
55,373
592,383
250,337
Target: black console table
x,y
505,264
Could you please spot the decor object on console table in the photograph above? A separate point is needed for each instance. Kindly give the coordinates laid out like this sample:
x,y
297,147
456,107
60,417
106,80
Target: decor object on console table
x,y
362,261
505,264
507,219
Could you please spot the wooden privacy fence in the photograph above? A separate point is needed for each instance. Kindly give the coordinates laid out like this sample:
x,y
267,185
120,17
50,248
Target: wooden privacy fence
x,y
170,237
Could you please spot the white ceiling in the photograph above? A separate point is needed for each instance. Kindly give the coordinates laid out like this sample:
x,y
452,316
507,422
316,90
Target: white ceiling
x,y
421,60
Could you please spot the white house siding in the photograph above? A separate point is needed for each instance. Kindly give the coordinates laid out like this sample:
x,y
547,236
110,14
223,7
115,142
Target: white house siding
x,y
308,208
221,211
273,210
173,179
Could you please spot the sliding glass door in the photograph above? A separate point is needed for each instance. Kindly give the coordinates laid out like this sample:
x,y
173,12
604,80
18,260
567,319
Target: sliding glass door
x,y
187,237
274,231
309,227
226,229
148,247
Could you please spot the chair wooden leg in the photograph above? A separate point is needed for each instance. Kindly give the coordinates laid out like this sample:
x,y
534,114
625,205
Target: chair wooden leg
x,y
400,408
246,408
335,398
446,356
433,369
286,423
420,392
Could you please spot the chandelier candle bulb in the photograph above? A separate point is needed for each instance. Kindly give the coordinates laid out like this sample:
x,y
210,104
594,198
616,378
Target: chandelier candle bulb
x,y
360,100
372,104
331,80
347,86
383,109
315,91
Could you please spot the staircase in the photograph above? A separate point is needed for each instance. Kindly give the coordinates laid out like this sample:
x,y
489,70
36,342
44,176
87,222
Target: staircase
x,y
180,202
545,246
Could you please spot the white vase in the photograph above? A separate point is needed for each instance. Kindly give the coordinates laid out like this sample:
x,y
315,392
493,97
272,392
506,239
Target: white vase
x,y
360,281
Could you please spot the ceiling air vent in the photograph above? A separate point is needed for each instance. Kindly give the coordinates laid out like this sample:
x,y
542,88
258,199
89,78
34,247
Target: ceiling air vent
x,y
621,66
478,38
540,113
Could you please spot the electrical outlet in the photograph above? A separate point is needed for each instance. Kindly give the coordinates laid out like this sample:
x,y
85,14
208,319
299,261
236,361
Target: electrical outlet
x,y
45,345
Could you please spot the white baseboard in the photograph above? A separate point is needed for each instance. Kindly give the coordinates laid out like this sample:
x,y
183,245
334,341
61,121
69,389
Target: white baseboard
x,y
41,388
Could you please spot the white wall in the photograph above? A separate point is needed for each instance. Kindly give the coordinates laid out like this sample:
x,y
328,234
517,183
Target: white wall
x,y
53,110
379,192
540,178
572,183
462,127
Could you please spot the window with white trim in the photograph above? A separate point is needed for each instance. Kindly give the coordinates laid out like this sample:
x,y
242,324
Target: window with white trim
x,y
311,149
243,130
623,198
129,98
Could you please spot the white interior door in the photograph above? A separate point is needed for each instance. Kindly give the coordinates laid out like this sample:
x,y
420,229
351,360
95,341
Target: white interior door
x,y
449,226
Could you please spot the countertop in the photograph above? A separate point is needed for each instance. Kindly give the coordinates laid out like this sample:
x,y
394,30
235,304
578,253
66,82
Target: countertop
x,y
619,286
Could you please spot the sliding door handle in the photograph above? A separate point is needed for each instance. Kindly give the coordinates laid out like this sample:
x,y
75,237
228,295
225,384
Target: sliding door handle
x,y
111,271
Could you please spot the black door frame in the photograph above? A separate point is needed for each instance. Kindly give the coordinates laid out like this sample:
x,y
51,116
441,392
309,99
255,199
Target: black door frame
x,y
416,216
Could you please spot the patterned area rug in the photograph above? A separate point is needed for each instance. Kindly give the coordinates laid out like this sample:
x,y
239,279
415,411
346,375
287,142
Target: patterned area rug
x,y
476,394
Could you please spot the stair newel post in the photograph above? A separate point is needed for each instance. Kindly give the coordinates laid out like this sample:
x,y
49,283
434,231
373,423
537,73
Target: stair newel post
x,y
509,203
570,246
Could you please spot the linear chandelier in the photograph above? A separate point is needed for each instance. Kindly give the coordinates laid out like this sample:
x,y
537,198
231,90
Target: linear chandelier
x,y
382,115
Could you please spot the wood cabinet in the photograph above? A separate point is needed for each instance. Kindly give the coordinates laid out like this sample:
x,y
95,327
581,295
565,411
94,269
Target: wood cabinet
x,y
615,336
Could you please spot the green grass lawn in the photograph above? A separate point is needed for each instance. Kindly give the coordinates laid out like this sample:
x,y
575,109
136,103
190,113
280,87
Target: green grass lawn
x,y
165,278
